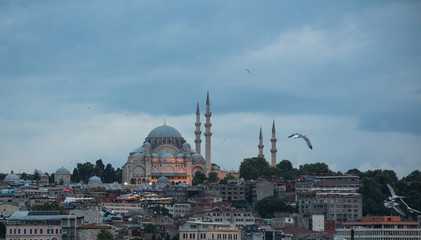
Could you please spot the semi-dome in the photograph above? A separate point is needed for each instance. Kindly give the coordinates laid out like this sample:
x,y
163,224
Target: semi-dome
x,y
155,155
94,180
62,170
215,167
167,155
164,132
186,147
11,178
139,149
137,155
180,155
197,156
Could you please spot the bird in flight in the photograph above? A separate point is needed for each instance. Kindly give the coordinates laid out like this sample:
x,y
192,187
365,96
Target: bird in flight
x,y
298,135
248,70
394,196
411,210
394,205
392,192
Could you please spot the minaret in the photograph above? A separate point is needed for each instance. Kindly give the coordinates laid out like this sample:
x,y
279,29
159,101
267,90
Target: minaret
x,y
273,150
261,144
208,135
198,141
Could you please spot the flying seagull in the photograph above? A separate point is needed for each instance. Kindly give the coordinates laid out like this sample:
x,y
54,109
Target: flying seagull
x,y
397,209
392,192
411,210
298,135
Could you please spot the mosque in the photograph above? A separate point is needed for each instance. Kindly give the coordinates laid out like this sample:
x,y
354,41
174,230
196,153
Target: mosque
x,y
165,153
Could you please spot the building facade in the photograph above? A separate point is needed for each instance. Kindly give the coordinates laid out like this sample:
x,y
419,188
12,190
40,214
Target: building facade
x,y
42,225
62,176
194,229
338,206
380,227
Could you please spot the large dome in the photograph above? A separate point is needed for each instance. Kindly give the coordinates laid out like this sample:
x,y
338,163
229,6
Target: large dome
x,y
11,177
62,170
164,132
162,179
94,180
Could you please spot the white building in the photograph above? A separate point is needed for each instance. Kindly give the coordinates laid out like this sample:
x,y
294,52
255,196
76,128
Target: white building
x,y
195,229
238,218
380,228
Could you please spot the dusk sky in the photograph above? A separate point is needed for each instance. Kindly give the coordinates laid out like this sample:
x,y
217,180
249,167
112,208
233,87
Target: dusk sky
x,y
88,80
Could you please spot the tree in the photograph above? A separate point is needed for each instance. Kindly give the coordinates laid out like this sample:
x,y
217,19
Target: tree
x,y
253,168
285,165
410,187
24,176
2,230
86,170
287,172
2,176
133,181
355,171
36,175
51,178
118,176
213,177
308,169
373,197
269,205
108,174
198,178
75,177
50,206
226,179
149,228
104,234
99,168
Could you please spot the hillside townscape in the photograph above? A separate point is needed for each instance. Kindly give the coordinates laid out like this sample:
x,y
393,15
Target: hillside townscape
x,y
210,120
167,190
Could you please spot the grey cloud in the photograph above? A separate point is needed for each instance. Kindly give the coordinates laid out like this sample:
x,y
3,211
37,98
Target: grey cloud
x,y
407,122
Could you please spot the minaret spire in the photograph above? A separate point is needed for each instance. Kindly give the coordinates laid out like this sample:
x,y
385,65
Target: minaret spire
x,y
273,150
260,144
198,141
208,135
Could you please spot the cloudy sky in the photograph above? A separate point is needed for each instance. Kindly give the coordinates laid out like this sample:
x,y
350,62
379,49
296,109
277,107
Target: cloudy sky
x,y
82,81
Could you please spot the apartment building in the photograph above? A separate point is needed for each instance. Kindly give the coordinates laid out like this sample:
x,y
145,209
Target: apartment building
x,y
238,218
334,205
195,229
380,227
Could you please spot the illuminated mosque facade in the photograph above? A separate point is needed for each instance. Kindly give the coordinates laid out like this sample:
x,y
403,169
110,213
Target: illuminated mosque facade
x,y
165,153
